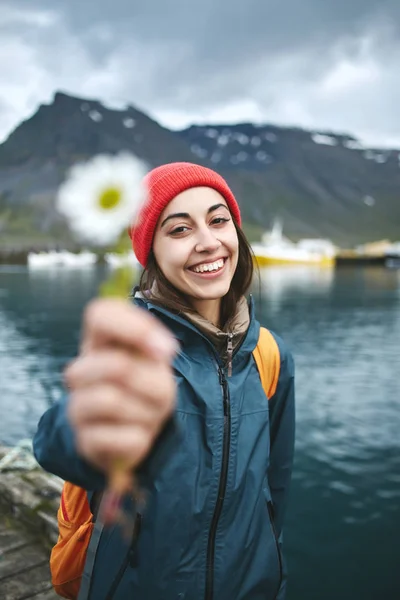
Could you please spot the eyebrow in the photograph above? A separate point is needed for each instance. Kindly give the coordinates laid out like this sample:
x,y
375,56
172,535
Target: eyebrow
x,y
183,215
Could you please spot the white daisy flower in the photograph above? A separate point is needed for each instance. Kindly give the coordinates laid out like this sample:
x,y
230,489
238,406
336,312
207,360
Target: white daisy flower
x,y
100,198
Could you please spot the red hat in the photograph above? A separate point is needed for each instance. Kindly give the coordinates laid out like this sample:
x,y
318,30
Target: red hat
x,y
163,185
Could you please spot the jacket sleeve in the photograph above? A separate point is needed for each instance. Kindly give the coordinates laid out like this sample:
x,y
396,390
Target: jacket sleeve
x,y
282,432
55,451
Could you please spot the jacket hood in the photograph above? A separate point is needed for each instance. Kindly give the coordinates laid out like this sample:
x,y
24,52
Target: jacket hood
x,y
238,327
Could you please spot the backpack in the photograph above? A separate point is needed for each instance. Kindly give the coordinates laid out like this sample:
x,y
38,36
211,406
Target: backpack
x,y
72,558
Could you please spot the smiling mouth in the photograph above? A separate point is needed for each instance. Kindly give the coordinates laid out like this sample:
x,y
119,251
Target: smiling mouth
x,y
211,267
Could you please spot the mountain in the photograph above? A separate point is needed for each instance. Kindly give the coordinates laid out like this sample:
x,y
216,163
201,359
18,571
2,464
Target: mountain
x,y
35,157
317,183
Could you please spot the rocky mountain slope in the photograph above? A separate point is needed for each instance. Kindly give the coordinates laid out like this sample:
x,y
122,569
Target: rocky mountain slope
x,y
317,183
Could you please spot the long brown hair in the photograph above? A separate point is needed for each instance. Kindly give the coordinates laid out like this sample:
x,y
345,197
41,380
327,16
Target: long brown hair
x,y
171,298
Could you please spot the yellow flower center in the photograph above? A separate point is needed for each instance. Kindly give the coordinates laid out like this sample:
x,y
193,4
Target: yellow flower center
x,y
110,198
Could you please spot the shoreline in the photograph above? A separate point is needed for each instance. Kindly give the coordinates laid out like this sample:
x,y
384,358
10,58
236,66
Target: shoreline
x,y
18,254
33,497
29,501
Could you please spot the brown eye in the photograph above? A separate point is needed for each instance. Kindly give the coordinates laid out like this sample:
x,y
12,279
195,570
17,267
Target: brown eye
x,y
219,221
178,230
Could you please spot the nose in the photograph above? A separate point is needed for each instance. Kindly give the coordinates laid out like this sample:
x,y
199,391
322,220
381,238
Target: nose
x,y
206,241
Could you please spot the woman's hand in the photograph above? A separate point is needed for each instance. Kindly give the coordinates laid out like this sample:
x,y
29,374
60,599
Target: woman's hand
x,y
122,384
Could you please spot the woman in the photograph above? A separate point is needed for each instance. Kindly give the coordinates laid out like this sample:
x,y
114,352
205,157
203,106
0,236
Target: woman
x,y
169,384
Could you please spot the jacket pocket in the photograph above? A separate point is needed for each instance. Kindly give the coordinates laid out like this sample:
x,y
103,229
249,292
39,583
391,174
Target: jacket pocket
x,y
131,557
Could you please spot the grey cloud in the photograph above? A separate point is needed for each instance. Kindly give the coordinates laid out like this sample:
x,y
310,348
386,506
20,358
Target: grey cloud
x,y
187,56
229,25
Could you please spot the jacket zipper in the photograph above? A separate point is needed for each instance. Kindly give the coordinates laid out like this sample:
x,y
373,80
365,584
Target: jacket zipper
x,y
225,460
278,550
209,592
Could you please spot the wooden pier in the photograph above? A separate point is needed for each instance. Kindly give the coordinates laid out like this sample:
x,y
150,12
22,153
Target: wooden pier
x,y
28,529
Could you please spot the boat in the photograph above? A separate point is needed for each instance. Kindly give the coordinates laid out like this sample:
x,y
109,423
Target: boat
x,y
61,259
382,253
392,256
115,260
276,249
70,260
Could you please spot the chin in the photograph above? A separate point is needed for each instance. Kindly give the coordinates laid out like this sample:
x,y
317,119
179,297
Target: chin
x,y
213,292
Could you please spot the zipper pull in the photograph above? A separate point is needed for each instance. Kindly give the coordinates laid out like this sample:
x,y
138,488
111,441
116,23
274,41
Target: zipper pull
x,y
230,352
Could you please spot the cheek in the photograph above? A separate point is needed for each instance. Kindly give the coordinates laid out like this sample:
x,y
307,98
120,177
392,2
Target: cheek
x,y
232,243
169,257
233,246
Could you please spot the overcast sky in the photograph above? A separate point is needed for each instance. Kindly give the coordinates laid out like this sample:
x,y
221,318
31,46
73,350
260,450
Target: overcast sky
x,y
321,64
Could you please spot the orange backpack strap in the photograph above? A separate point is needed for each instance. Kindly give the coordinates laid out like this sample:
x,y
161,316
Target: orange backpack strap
x,y
268,360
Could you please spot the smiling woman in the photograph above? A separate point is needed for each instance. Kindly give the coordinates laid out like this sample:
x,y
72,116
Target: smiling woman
x,y
199,255
185,388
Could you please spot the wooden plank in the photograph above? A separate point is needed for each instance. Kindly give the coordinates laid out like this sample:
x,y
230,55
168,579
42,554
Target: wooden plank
x,y
49,595
28,584
28,528
20,559
10,540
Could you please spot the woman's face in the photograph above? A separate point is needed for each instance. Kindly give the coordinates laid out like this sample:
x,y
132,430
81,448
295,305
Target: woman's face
x,y
196,244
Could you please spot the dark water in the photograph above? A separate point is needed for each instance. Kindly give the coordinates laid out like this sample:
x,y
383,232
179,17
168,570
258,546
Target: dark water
x,y
343,524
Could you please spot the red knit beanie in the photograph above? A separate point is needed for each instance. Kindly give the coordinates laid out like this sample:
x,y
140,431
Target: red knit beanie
x,y
163,184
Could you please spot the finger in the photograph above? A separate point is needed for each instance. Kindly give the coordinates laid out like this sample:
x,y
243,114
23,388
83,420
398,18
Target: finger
x,y
112,365
111,321
135,373
108,404
156,386
128,443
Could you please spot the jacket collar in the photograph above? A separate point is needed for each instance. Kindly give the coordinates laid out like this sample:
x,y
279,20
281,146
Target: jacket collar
x,y
183,328
236,328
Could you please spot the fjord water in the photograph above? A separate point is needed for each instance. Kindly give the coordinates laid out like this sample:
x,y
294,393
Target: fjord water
x,y
343,524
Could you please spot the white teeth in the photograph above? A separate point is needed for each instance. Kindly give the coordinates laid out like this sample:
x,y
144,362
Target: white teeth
x,y
218,264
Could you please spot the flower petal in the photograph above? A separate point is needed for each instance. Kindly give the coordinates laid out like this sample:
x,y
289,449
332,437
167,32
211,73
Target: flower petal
x,y
78,197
